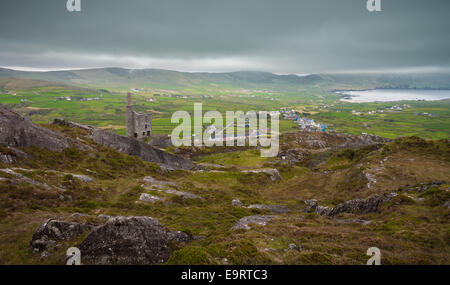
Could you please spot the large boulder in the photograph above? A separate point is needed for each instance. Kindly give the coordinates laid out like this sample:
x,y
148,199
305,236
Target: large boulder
x,y
129,240
52,231
19,131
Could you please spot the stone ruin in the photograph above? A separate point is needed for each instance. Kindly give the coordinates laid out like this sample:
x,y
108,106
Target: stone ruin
x,y
139,126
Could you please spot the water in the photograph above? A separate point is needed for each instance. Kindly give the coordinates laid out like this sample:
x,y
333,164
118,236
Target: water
x,y
387,95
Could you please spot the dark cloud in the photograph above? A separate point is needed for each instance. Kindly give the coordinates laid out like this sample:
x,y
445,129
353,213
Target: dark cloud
x,y
288,36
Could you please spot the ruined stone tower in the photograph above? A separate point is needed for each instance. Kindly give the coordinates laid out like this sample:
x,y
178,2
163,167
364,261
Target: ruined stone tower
x,y
139,126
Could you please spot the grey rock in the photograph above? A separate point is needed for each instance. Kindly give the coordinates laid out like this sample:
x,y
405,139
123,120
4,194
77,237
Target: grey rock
x,y
104,217
132,146
160,141
149,198
311,205
348,221
83,178
358,205
185,195
153,181
273,208
272,172
138,148
179,236
7,158
54,230
19,131
20,177
76,215
370,205
127,240
166,187
390,196
64,123
237,203
447,204
12,154
210,165
323,211
244,223
293,246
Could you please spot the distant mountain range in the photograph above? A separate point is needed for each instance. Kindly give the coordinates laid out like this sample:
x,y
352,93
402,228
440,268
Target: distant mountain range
x,y
121,78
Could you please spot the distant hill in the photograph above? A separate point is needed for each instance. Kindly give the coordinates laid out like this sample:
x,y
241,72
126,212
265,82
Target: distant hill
x,y
121,78
9,83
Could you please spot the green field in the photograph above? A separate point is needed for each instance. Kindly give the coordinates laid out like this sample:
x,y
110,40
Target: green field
x,y
43,104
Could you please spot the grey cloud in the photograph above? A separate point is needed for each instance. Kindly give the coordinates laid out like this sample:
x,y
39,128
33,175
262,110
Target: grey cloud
x,y
289,36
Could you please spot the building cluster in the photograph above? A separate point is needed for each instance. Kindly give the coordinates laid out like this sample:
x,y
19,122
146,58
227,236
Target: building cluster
x,y
303,122
395,108
311,125
425,114
68,98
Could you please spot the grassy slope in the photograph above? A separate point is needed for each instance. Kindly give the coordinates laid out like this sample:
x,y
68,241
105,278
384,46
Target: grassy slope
x,y
407,232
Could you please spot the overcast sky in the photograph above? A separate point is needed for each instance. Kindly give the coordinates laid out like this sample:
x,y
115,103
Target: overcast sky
x,y
280,36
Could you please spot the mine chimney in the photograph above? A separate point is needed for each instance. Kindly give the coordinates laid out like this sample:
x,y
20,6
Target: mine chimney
x,y
129,104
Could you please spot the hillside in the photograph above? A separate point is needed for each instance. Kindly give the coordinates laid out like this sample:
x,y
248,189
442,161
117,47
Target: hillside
x,y
324,200
121,78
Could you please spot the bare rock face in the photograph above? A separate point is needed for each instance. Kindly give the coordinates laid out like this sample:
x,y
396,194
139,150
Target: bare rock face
x,y
19,131
52,231
142,150
160,141
129,240
132,146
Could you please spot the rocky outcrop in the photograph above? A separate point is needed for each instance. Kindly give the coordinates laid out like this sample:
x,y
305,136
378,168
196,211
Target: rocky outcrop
x,y
149,198
7,158
64,123
358,205
20,178
260,220
272,208
272,172
293,155
167,187
129,240
142,150
19,131
11,154
52,231
160,141
335,141
132,146
370,205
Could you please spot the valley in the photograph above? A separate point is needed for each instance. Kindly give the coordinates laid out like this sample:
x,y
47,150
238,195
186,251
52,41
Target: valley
x,y
378,176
